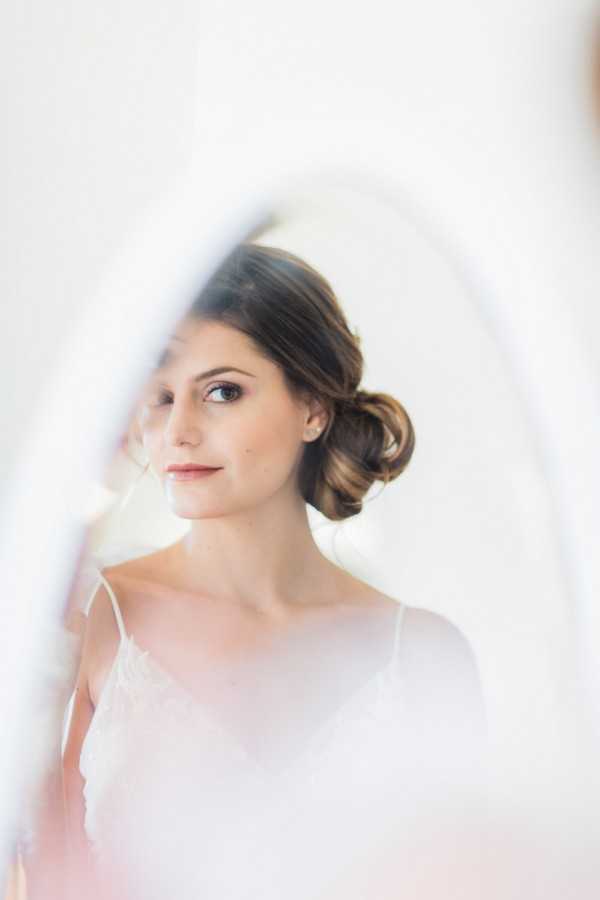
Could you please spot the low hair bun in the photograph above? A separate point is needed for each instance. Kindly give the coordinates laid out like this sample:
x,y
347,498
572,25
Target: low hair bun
x,y
369,438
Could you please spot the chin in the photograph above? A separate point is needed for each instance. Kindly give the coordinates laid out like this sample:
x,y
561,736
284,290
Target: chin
x,y
193,509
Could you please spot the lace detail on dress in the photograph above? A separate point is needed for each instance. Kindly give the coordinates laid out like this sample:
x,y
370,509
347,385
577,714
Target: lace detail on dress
x,y
148,726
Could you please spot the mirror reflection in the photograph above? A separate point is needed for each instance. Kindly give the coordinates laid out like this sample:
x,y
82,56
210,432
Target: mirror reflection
x,y
271,667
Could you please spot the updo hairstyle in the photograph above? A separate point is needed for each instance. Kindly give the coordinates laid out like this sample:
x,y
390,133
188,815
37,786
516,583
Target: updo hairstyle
x,y
292,315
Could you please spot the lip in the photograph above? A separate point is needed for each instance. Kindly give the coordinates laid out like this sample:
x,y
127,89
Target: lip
x,y
187,467
189,472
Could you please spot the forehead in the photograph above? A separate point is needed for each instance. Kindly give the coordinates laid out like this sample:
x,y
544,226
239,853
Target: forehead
x,y
205,341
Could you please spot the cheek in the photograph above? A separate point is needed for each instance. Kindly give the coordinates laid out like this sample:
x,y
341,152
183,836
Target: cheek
x,y
272,453
268,445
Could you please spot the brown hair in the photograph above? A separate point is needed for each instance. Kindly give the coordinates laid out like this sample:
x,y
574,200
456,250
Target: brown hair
x,y
293,317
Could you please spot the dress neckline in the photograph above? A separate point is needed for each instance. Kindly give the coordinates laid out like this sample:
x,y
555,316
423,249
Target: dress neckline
x,y
136,658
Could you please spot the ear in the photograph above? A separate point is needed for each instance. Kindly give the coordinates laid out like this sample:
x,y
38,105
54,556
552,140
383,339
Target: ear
x,y
316,418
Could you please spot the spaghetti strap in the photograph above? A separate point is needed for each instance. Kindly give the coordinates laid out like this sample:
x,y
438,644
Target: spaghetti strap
x,y
115,605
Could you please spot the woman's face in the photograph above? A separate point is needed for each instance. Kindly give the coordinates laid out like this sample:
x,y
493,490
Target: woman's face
x,y
246,423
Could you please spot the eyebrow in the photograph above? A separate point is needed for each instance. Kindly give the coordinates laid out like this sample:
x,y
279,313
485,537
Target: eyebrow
x,y
218,370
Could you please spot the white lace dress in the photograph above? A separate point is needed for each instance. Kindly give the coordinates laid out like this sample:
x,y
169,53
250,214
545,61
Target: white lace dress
x,y
176,807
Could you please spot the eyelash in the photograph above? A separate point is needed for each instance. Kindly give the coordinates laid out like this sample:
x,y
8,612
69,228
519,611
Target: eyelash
x,y
215,387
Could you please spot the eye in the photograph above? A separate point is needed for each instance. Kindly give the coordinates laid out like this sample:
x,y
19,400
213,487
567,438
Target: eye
x,y
227,387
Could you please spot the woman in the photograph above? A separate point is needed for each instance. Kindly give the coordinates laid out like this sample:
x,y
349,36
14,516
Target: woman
x,y
218,673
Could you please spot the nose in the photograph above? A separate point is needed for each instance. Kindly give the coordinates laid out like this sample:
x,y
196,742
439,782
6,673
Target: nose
x,y
183,424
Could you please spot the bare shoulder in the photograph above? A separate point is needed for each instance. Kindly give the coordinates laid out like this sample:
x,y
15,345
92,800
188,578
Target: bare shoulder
x,y
147,567
429,642
129,580
424,624
441,669
435,656
437,643
101,639
422,629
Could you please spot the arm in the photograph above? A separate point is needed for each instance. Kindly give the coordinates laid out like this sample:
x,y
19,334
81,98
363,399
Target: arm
x,y
83,876
43,833
78,850
58,852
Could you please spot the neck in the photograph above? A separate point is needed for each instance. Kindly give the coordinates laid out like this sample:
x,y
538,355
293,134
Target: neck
x,y
264,558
